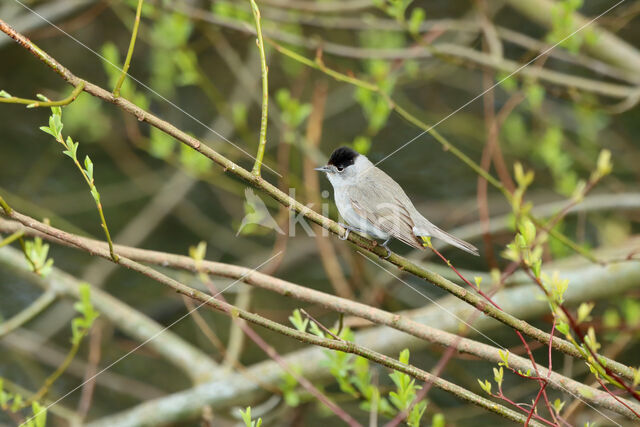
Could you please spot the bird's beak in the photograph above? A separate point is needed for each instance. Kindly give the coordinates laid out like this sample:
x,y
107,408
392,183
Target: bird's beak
x,y
326,169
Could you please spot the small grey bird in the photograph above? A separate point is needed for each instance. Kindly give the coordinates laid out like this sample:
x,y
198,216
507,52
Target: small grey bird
x,y
371,202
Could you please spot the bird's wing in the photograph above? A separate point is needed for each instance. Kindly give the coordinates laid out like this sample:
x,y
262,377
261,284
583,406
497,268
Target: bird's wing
x,y
379,202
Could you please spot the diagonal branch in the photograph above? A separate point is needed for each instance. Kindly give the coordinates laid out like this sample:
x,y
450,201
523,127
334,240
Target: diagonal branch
x,y
344,346
402,323
404,264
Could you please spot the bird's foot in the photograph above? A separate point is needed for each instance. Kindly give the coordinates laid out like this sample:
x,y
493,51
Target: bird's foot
x,y
384,245
349,230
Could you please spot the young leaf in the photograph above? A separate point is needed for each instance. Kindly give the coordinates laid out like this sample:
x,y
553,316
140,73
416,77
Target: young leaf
x,y
486,386
558,405
505,357
39,415
198,252
47,130
604,163
246,416
297,321
88,164
498,375
95,194
413,420
415,20
315,329
584,311
478,280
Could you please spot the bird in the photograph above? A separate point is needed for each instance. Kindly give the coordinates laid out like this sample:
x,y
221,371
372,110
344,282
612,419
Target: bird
x,y
372,203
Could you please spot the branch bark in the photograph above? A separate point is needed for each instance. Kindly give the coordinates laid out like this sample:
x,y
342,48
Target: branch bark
x,y
424,326
607,47
193,362
344,346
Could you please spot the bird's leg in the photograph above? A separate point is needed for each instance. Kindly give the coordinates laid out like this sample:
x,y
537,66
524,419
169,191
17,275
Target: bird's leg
x,y
384,245
349,229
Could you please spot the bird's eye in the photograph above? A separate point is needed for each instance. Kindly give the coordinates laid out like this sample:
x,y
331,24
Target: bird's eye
x,y
340,168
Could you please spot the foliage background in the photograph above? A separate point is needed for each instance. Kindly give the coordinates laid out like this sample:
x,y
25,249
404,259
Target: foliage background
x,y
159,195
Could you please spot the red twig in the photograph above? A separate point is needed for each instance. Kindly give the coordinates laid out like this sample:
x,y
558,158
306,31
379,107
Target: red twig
x,y
573,324
542,381
604,386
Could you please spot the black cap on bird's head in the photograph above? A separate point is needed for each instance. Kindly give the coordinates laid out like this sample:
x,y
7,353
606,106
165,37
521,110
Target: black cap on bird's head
x,y
340,159
343,157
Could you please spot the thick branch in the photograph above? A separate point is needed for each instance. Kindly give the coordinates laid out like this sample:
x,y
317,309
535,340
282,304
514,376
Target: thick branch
x,y
446,50
344,346
419,329
32,310
371,246
607,46
196,364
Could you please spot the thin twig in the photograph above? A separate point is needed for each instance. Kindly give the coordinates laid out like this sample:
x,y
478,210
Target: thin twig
x,y
31,311
320,325
33,103
132,44
12,238
265,92
341,305
285,199
344,346
44,389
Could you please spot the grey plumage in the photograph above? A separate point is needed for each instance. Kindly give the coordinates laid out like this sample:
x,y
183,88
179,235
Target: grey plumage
x,y
371,201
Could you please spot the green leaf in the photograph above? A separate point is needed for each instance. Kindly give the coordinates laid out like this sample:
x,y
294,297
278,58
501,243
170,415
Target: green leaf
x,y
88,164
536,266
498,375
198,252
404,356
611,319
362,144
604,163
47,130
55,123
39,415
507,81
584,311
478,281
246,416
528,231
298,322
505,357
72,148
5,94
17,403
438,420
535,95
80,325
563,328
486,386
415,20
95,194
416,413
315,329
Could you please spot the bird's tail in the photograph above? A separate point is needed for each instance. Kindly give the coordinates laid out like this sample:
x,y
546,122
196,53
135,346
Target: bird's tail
x,y
431,230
